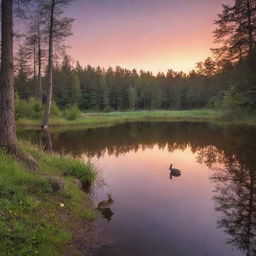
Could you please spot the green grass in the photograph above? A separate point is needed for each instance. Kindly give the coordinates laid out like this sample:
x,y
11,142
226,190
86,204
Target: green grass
x,y
32,219
61,165
75,168
97,119
94,120
30,113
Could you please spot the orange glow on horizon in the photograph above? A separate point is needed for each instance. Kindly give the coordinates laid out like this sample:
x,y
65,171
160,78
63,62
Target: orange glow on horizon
x,y
149,35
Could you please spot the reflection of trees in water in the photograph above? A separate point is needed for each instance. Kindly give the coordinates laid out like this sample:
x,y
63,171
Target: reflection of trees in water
x,y
235,194
121,139
124,138
46,140
233,147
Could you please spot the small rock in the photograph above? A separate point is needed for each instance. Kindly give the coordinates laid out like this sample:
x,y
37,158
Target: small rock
x,y
57,183
78,183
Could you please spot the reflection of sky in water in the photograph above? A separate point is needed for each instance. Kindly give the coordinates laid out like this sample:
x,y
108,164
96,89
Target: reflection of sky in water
x,y
154,215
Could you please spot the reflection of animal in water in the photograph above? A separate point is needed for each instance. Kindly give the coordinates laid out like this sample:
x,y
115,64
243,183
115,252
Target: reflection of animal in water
x,y
104,208
174,172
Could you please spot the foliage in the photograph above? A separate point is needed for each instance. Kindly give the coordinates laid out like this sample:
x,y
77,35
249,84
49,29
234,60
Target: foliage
x,y
121,89
76,168
31,109
235,31
233,99
71,113
55,111
107,109
132,98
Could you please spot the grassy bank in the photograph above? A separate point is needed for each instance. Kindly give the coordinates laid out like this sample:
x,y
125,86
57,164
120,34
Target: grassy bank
x,y
121,117
35,220
105,119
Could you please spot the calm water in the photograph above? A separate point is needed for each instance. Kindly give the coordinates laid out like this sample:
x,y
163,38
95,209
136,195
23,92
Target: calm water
x,y
209,210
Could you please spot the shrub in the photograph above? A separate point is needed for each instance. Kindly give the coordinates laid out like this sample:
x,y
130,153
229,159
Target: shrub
x,y
236,100
75,167
55,111
216,102
107,109
31,109
71,113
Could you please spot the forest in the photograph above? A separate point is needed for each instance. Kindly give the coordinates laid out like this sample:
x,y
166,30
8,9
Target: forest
x,y
225,80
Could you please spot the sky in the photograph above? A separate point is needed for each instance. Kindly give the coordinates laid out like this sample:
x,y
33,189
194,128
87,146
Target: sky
x,y
154,35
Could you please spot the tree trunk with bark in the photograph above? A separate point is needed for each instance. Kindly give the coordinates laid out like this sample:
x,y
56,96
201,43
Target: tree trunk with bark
x,y
49,73
8,139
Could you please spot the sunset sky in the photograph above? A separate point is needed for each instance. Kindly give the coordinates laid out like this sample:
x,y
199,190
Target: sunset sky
x,y
154,35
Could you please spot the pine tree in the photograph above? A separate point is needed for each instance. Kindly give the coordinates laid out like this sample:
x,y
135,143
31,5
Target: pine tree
x,y
132,98
23,73
236,31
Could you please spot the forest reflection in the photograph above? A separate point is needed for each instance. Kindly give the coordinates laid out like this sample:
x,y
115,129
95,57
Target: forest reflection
x,y
234,195
228,151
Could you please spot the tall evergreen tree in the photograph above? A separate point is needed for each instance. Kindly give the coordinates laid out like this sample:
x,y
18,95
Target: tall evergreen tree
x,y
236,30
23,73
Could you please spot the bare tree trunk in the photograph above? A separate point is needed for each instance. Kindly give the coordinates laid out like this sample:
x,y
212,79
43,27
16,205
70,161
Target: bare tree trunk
x,y
7,114
49,74
39,62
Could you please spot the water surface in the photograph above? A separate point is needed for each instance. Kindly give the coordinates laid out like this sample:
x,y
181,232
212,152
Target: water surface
x,y
208,210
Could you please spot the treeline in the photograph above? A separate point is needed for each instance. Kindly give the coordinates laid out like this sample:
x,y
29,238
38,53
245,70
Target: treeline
x,y
225,80
102,89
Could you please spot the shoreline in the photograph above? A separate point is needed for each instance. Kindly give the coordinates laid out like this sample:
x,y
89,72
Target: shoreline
x,y
44,203
94,120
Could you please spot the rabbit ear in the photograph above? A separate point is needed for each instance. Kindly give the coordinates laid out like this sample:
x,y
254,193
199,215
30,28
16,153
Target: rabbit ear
x,y
170,165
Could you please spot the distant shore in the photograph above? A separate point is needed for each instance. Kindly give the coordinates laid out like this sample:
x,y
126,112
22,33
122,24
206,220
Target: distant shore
x,y
96,119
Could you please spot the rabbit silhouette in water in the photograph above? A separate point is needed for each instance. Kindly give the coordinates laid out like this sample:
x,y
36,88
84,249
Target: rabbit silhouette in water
x,y
174,172
104,208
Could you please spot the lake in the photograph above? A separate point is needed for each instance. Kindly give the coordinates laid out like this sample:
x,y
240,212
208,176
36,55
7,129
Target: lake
x,y
209,210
